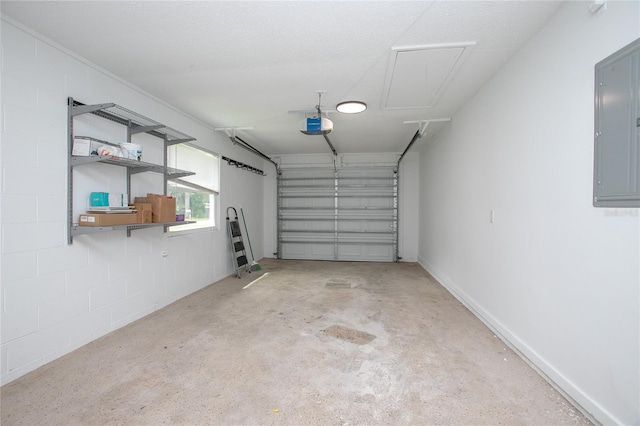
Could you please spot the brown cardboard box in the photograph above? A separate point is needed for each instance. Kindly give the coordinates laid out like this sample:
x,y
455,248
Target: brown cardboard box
x,y
163,208
104,219
144,212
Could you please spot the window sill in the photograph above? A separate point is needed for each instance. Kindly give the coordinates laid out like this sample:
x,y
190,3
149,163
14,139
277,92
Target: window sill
x,y
193,228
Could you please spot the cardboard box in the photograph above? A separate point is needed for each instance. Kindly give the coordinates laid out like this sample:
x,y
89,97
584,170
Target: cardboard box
x,y
163,208
144,212
104,219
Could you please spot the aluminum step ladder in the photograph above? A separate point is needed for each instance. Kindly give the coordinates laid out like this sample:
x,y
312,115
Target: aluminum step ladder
x,y
236,243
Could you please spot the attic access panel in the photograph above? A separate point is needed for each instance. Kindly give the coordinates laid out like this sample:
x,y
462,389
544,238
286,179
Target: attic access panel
x,y
418,75
616,177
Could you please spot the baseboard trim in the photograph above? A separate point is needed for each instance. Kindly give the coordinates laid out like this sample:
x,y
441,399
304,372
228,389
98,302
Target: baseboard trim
x,y
586,405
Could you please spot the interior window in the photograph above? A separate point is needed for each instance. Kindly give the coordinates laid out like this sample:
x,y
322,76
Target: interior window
x,y
196,195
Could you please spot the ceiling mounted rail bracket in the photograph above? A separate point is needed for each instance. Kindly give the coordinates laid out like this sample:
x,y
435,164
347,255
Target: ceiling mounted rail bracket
x,y
422,126
236,140
231,131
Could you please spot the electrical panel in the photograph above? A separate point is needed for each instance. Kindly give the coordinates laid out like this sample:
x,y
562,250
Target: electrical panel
x,y
616,181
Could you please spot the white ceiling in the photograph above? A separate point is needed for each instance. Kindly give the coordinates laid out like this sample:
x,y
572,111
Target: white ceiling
x,y
237,63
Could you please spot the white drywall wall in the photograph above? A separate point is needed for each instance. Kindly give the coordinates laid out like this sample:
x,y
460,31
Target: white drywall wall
x,y
57,297
555,276
409,202
270,210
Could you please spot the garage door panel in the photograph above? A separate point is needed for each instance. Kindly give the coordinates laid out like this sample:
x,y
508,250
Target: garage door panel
x,y
308,226
308,251
363,203
310,203
344,214
364,252
365,226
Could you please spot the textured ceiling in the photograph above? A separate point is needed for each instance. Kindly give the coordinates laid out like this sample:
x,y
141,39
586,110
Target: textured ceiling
x,y
235,63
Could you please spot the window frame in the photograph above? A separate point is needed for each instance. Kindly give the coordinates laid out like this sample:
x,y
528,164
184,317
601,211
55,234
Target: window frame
x,y
176,230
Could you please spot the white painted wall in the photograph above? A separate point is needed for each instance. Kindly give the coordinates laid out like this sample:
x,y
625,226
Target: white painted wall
x,y
409,204
56,297
556,277
270,211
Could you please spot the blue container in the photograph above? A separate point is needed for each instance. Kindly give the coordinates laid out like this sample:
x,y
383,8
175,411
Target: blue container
x,y
99,199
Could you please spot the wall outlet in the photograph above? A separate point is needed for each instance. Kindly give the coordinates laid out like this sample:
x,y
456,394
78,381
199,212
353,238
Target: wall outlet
x,y
492,216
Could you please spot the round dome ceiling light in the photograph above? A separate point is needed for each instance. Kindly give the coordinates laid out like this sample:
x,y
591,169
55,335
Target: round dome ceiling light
x,y
351,107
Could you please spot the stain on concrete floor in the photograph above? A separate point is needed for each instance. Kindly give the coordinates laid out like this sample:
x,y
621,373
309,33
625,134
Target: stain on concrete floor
x,y
338,283
350,335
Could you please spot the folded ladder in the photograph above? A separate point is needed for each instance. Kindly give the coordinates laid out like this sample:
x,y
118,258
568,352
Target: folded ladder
x,y
238,254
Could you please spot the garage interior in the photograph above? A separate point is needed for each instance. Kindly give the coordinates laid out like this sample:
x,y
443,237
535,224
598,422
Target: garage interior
x,y
440,257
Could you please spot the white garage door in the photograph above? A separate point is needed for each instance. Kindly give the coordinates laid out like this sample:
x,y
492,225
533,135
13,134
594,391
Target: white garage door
x,y
344,214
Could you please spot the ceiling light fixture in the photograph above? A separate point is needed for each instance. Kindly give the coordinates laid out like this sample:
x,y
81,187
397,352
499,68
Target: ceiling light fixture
x,y
351,107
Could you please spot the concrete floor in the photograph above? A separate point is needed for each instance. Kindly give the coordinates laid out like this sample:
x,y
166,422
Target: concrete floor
x,y
309,343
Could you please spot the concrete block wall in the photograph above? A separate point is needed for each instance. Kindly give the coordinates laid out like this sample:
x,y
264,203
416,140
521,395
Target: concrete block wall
x,y
56,297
